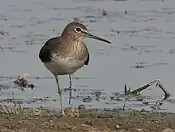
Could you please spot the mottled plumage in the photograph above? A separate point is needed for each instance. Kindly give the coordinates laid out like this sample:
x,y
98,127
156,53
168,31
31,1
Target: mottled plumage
x,y
52,46
50,54
67,53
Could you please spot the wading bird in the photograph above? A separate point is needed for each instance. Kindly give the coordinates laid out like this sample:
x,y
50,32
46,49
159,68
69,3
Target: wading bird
x,y
65,54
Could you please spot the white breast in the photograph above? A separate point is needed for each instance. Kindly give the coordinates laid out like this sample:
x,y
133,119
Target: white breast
x,y
63,66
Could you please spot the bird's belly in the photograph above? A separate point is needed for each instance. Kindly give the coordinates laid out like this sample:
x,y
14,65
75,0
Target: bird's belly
x,y
63,67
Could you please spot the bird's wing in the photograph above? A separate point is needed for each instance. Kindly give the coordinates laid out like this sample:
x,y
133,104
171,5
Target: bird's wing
x,y
45,52
88,57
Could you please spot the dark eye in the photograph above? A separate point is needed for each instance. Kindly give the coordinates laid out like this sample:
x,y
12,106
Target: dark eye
x,y
78,29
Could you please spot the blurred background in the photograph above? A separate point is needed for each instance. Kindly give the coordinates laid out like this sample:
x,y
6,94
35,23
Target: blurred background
x,y
142,33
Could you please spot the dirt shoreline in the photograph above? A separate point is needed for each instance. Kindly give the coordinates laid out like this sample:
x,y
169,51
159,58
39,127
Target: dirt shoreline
x,y
86,120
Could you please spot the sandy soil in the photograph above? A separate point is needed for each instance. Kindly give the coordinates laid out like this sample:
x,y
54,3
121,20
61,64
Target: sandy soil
x,y
83,120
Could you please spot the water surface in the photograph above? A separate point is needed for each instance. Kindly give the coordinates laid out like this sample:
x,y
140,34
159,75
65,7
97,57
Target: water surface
x,y
142,33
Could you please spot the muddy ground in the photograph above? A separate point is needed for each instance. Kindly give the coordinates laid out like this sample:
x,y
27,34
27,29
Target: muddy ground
x,y
142,34
86,120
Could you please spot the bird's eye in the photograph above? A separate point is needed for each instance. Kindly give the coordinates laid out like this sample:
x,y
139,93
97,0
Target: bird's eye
x,y
78,29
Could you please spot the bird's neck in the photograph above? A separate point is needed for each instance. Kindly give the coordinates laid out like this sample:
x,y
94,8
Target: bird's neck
x,y
75,44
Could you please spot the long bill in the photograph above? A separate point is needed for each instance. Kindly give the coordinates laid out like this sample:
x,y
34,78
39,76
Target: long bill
x,y
98,38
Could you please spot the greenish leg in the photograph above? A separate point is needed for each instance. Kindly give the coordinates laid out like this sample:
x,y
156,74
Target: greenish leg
x,y
60,94
70,88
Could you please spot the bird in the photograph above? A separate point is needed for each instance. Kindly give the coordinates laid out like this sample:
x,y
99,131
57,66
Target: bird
x,y
65,54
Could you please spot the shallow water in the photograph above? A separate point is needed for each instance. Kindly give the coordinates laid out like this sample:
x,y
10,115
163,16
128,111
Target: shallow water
x,y
142,33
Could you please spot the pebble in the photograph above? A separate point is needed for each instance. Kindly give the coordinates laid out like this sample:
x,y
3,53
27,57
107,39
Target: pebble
x,y
168,130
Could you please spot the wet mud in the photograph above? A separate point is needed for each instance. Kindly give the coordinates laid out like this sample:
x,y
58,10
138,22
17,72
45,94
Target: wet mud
x,y
83,120
142,34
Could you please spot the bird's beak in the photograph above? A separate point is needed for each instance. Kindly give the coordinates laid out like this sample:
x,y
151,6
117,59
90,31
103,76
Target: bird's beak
x,y
98,38
95,37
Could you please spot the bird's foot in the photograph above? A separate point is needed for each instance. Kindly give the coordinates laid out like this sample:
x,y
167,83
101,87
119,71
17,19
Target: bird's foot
x,y
63,113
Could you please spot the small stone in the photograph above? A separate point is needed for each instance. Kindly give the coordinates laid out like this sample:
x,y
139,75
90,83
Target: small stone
x,y
139,130
117,126
168,130
81,107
